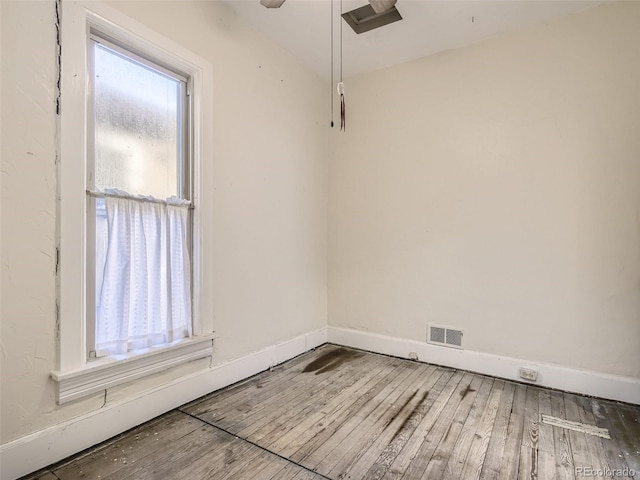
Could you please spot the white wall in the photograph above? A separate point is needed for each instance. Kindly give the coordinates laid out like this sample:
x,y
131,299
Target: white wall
x,y
270,186
28,217
496,188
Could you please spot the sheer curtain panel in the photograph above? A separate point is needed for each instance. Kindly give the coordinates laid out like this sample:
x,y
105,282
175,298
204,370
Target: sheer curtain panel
x,y
145,292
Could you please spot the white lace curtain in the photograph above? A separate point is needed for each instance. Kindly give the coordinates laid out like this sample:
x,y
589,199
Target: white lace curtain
x,y
144,298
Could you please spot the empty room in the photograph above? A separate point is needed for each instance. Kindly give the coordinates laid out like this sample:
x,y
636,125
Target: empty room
x,y
320,239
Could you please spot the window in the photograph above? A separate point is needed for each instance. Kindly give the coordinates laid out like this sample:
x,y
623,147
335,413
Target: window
x,y
135,148
138,187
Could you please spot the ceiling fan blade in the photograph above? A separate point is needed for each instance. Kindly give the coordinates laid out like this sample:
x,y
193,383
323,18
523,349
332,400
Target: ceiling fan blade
x,y
380,6
272,3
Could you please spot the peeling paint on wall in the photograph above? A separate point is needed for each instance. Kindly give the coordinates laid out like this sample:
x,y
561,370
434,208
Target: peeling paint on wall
x,y
58,55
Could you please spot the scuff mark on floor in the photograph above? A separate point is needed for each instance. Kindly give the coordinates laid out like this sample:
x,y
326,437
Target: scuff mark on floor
x,y
390,421
411,415
331,360
466,391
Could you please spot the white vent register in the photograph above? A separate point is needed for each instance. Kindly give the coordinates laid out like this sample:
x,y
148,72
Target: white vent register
x,y
444,336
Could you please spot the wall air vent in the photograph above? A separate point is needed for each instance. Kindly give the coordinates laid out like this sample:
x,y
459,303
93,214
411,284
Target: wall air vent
x,y
444,336
365,18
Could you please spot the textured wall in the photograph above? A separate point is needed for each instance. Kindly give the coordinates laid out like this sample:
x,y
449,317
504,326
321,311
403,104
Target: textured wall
x,y
270,180
496,188
28,217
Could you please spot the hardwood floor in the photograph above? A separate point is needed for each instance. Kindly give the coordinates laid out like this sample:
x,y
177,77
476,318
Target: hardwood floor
x,y
338,413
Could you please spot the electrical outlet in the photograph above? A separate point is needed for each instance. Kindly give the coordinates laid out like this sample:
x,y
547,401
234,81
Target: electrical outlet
x,y
528,374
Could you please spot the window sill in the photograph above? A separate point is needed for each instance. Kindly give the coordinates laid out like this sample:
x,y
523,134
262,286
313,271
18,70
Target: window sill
x,y
101,374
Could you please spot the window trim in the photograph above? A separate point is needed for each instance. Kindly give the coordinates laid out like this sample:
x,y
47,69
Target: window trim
x,y
114,370
78,19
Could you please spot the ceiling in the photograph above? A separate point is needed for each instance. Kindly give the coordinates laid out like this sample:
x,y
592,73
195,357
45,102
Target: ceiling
x,y
303,27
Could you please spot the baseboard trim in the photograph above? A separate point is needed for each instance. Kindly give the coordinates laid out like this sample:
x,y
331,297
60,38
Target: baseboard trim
x,y
602,385
45,447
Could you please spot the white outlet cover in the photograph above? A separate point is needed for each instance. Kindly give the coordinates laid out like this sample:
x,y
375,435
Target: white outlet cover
x,y
528,374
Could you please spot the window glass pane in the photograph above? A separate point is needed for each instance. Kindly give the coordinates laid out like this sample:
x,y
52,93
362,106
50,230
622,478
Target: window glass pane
x,y
137,125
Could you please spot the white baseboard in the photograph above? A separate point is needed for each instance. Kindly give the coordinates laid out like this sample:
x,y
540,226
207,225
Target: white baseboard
x,y
613,387
37,450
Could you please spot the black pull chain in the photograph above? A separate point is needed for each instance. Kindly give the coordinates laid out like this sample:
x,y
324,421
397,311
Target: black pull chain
x,y
342,109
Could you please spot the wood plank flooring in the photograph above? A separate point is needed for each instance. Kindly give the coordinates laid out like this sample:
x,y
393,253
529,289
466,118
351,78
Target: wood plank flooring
x,y
337,413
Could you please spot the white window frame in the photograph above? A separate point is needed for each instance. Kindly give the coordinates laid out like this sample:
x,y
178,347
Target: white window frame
x,y
184,167
77,375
